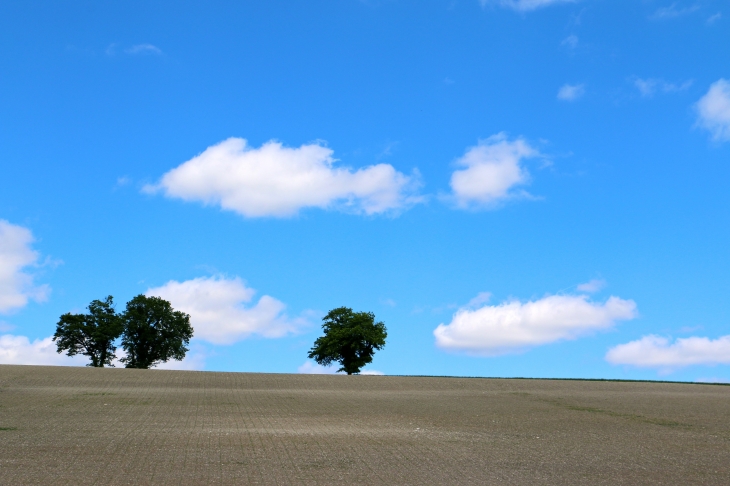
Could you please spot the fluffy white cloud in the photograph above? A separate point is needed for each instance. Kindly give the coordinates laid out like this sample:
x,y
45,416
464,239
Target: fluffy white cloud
x,y
312,368
514,326
21,350
491,171
274,180
571,92
218,314
524,5
16,254
659,352
713,110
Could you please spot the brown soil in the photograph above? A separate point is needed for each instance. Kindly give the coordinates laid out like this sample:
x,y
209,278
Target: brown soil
x,y
115,426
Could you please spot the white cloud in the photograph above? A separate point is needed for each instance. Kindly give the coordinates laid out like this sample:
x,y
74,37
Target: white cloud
x,y
650,86
274,180
492,171
143,49
20,350
593,286
659,352
714,18
524,5
713,110
16,255
312,368
571,92
673,11
514,326
571,41
372,373
218,314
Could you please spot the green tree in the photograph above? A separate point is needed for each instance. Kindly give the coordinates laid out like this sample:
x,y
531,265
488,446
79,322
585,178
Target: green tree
x,y
154,332
350,338
91,334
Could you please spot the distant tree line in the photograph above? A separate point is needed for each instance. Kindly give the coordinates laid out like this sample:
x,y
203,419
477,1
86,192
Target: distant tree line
x,y
151,332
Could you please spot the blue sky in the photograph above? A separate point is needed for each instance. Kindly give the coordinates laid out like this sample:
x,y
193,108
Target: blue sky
x,y
516,188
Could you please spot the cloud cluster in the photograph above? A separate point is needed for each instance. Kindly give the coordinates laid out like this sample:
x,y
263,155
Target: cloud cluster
x,y
491,171
514,326
219,313
659,352
21,350
16,255
524,5
713,110
279,181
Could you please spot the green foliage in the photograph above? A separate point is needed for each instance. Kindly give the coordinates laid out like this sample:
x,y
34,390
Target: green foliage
x,y
154,332
350,338
91,334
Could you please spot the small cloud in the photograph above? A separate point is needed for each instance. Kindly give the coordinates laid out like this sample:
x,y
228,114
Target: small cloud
x,y
388,302
111,49
6,326
491,172
123,181
278,181
571,42
21,350
659,352
673,11
650,86
688,329
524,5
143,49
712,380
480,299
449,81
714,18
16,258
222,310
713,111
593,286
312,368
514,326
372,373
571,92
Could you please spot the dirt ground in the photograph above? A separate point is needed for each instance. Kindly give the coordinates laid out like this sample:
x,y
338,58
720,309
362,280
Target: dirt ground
x,y
83,426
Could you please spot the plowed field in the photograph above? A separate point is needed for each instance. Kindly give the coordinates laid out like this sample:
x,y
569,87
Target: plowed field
x,y
84,426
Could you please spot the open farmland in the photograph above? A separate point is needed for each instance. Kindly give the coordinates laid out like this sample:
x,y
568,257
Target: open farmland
x,y
116,426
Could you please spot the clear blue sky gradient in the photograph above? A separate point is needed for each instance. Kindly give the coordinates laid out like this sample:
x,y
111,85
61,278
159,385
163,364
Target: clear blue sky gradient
x,y
630,190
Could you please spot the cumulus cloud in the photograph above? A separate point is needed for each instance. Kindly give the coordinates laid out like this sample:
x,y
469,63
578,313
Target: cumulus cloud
x,y
524,5
650,86
491,171
274,180
713,110
659,352
218,310
571,92
16,255
514,326
312,368
21,350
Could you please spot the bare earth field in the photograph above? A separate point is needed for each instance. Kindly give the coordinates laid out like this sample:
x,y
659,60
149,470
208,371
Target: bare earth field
x,y
115,426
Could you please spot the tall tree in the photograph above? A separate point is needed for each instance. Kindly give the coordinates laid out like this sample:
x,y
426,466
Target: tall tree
x,y
154,332
91,334
350,338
